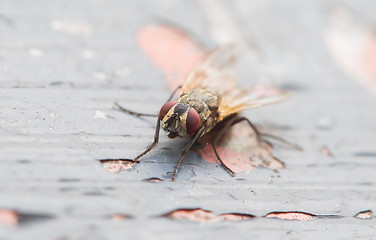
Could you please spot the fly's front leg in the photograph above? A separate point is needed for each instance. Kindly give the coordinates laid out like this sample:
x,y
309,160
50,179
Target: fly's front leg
x,y
132,112
157,128
155,141
137,114
185,150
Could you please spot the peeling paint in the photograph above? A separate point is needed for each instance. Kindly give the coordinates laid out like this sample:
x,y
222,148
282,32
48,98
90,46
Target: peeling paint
x,y
171,50
297,215
153,179
325,150
204,216
366,214
116,165
301,216
120,217
8,217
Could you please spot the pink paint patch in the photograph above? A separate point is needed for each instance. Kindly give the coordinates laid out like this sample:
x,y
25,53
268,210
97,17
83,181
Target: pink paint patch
x,y
371,62
171,50
8,217
119,217
352,43
300,216
116,165
194,215
240,150
367,214
204,216
325,150
235,217
153,179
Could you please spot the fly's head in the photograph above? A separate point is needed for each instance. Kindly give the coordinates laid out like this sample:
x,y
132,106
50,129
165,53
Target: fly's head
x,y
179,119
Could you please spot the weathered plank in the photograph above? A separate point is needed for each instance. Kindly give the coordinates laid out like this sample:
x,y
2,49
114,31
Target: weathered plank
x,y
62,66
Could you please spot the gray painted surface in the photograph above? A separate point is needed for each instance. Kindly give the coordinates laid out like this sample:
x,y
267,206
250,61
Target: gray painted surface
x,y
58,83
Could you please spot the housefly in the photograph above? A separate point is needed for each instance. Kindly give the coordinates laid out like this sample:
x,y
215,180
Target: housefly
x,y
209,103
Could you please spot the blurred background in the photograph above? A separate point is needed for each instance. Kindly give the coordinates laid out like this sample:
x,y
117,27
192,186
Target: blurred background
x,y
64,63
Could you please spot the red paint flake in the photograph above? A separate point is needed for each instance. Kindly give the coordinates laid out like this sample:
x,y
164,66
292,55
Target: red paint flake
x,y
8,217
236,217
367,214
300,216
119,217
371,61
116,165
204,216
194,215
325,150
153,179
171,50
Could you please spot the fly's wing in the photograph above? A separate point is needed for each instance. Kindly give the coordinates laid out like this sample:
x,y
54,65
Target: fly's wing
x,y
213,72
237,100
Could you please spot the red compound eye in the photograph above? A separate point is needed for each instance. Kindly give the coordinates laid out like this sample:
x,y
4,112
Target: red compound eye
x,y
193,122
165,108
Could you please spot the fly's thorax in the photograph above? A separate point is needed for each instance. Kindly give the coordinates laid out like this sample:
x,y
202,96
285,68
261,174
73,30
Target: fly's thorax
x,y
205,102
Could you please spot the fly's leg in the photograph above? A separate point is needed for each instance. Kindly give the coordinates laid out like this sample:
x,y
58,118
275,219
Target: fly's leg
x,y
232,173
132,112
155,141
254,128
157,129
185,150
144,114
284,141
218,137
261,134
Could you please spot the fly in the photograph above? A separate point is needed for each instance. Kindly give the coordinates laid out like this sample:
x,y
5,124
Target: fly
x,y
209,99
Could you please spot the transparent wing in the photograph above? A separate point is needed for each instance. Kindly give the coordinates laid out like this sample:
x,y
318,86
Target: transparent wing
x,y
237,100
214,72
